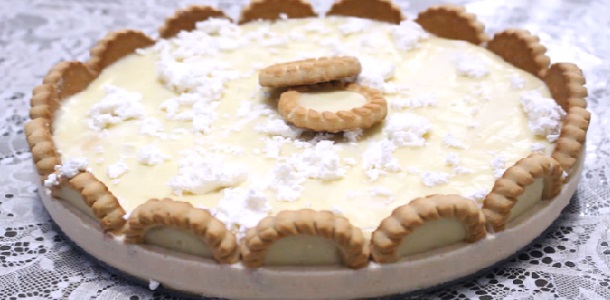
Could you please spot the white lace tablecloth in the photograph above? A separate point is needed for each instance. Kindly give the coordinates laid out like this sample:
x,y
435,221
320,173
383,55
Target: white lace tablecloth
x,y
570,261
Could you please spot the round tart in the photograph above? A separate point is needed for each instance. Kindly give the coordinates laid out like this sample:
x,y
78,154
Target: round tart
x,y
444,157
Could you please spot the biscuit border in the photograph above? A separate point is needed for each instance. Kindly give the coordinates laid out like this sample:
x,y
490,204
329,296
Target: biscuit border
x,y
453,22
386,239
349,239
187,18
183,216
272,9
378,10
363,117
521,49
499,202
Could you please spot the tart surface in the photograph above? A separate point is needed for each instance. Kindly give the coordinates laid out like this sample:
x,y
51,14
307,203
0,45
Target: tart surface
x,y
456,121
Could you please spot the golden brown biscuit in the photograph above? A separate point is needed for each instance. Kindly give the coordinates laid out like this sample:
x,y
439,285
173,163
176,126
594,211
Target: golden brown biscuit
x,y
405,219
514,182
379,10
272,9
452,22
309,71
183,216
186,19
115,46
372,112
348,238
521,49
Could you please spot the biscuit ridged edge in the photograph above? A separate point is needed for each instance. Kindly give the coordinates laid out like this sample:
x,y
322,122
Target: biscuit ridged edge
x,y
271,10
309,71
183,216
452,22
348,238
405,219
187,18
379,10
372,112
499,202
521,49
114,46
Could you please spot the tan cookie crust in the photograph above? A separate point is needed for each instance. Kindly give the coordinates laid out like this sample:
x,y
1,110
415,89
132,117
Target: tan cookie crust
x,y
115,46
183,216
309,71
186,19
503,196
102,202
271,10
452,22
380,10
350,240
371,113
521,49
405,219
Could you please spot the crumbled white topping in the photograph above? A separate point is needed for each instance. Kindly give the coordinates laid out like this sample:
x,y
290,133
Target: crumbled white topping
x,y
203,116
151,127
52,180
278,127
336,210
116,106
287,182
517,82
477,195
375,72
320,162
431,179
350,161
71,167
151,155
380,191
473,125
408,34
498,164
470,65
462,170
543,114
377,159
199,174
538,147
180,108
406,129
452,159
353,135
453,142
316,26
412,170
354,25
414,102
117,169
564,175
241,208
153,285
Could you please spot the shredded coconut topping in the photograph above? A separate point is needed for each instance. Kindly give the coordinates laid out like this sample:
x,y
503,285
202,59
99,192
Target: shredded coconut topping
x,y
278,127
377,159
287,183
543,114
470,65
406,129
241,208
431,179
151,155
408,34
69,168
199,174
116,170
118,105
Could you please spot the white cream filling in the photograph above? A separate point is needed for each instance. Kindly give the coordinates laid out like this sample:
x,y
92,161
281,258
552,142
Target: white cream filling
x,y
303,250
332,101
432,235
177,239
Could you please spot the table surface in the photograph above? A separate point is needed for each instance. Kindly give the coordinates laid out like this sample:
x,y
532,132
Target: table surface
x,y
570,261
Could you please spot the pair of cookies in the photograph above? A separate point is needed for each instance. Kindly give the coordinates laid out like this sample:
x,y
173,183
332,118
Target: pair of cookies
x,y
318,100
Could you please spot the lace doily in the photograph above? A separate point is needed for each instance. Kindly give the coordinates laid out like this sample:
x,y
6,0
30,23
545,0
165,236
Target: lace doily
x,y
570,261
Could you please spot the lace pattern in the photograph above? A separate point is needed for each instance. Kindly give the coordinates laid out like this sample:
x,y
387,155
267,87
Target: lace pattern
x,y
570,261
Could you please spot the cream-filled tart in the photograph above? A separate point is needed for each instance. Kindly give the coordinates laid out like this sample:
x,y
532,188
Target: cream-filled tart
x,y
443,137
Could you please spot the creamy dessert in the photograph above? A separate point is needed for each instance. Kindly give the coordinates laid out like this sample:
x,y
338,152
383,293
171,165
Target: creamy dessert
x,y
443,136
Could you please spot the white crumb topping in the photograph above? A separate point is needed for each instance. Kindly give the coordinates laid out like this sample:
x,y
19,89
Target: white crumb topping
x,y
116,106
431,179
71,167
406,129
470,65
354,25
543,114
380,191
453,142
473,125
52,180
287,183
151,127
498,164
336,210
477,195
353,135
408,34
414,102
377,159
151,155
316,26
117,169
242,208
375,72
201,174
462,170
320,162
517,82
538,147
452,159
412,170
278,127
153,285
